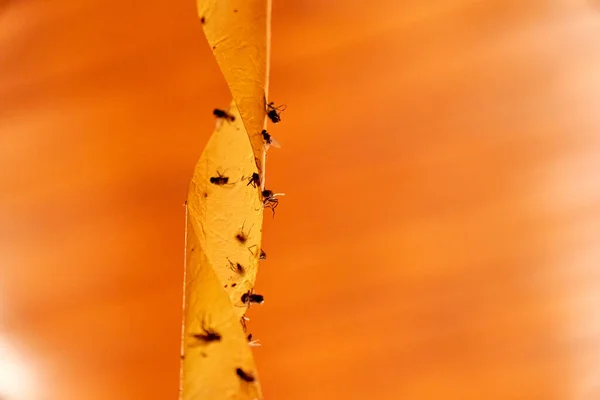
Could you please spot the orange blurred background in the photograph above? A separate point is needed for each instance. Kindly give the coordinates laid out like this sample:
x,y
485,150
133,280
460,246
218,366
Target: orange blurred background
x,y
440,234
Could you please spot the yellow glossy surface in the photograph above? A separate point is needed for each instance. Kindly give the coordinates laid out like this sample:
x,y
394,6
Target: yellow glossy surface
x,y
220,267
439,234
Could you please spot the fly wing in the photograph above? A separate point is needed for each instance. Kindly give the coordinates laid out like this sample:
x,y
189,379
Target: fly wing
x,y
274,143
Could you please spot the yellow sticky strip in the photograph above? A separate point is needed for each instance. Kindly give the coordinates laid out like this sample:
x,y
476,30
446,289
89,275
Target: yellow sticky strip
x,y
224,223
209,368
225,214
238,32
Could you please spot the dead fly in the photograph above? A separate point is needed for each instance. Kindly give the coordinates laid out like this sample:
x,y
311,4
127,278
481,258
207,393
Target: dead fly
x,y
269,140
254,180
252,343
270,200
243,321
207,335
245,376
219,180
237,267
223,114
262,255
274,113
250,297
242,237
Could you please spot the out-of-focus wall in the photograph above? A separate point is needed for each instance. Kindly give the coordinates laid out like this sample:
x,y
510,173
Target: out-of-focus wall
x,y
439,235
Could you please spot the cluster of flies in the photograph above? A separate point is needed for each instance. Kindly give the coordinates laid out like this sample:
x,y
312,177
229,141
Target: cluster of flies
x,y
208,334
269,198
